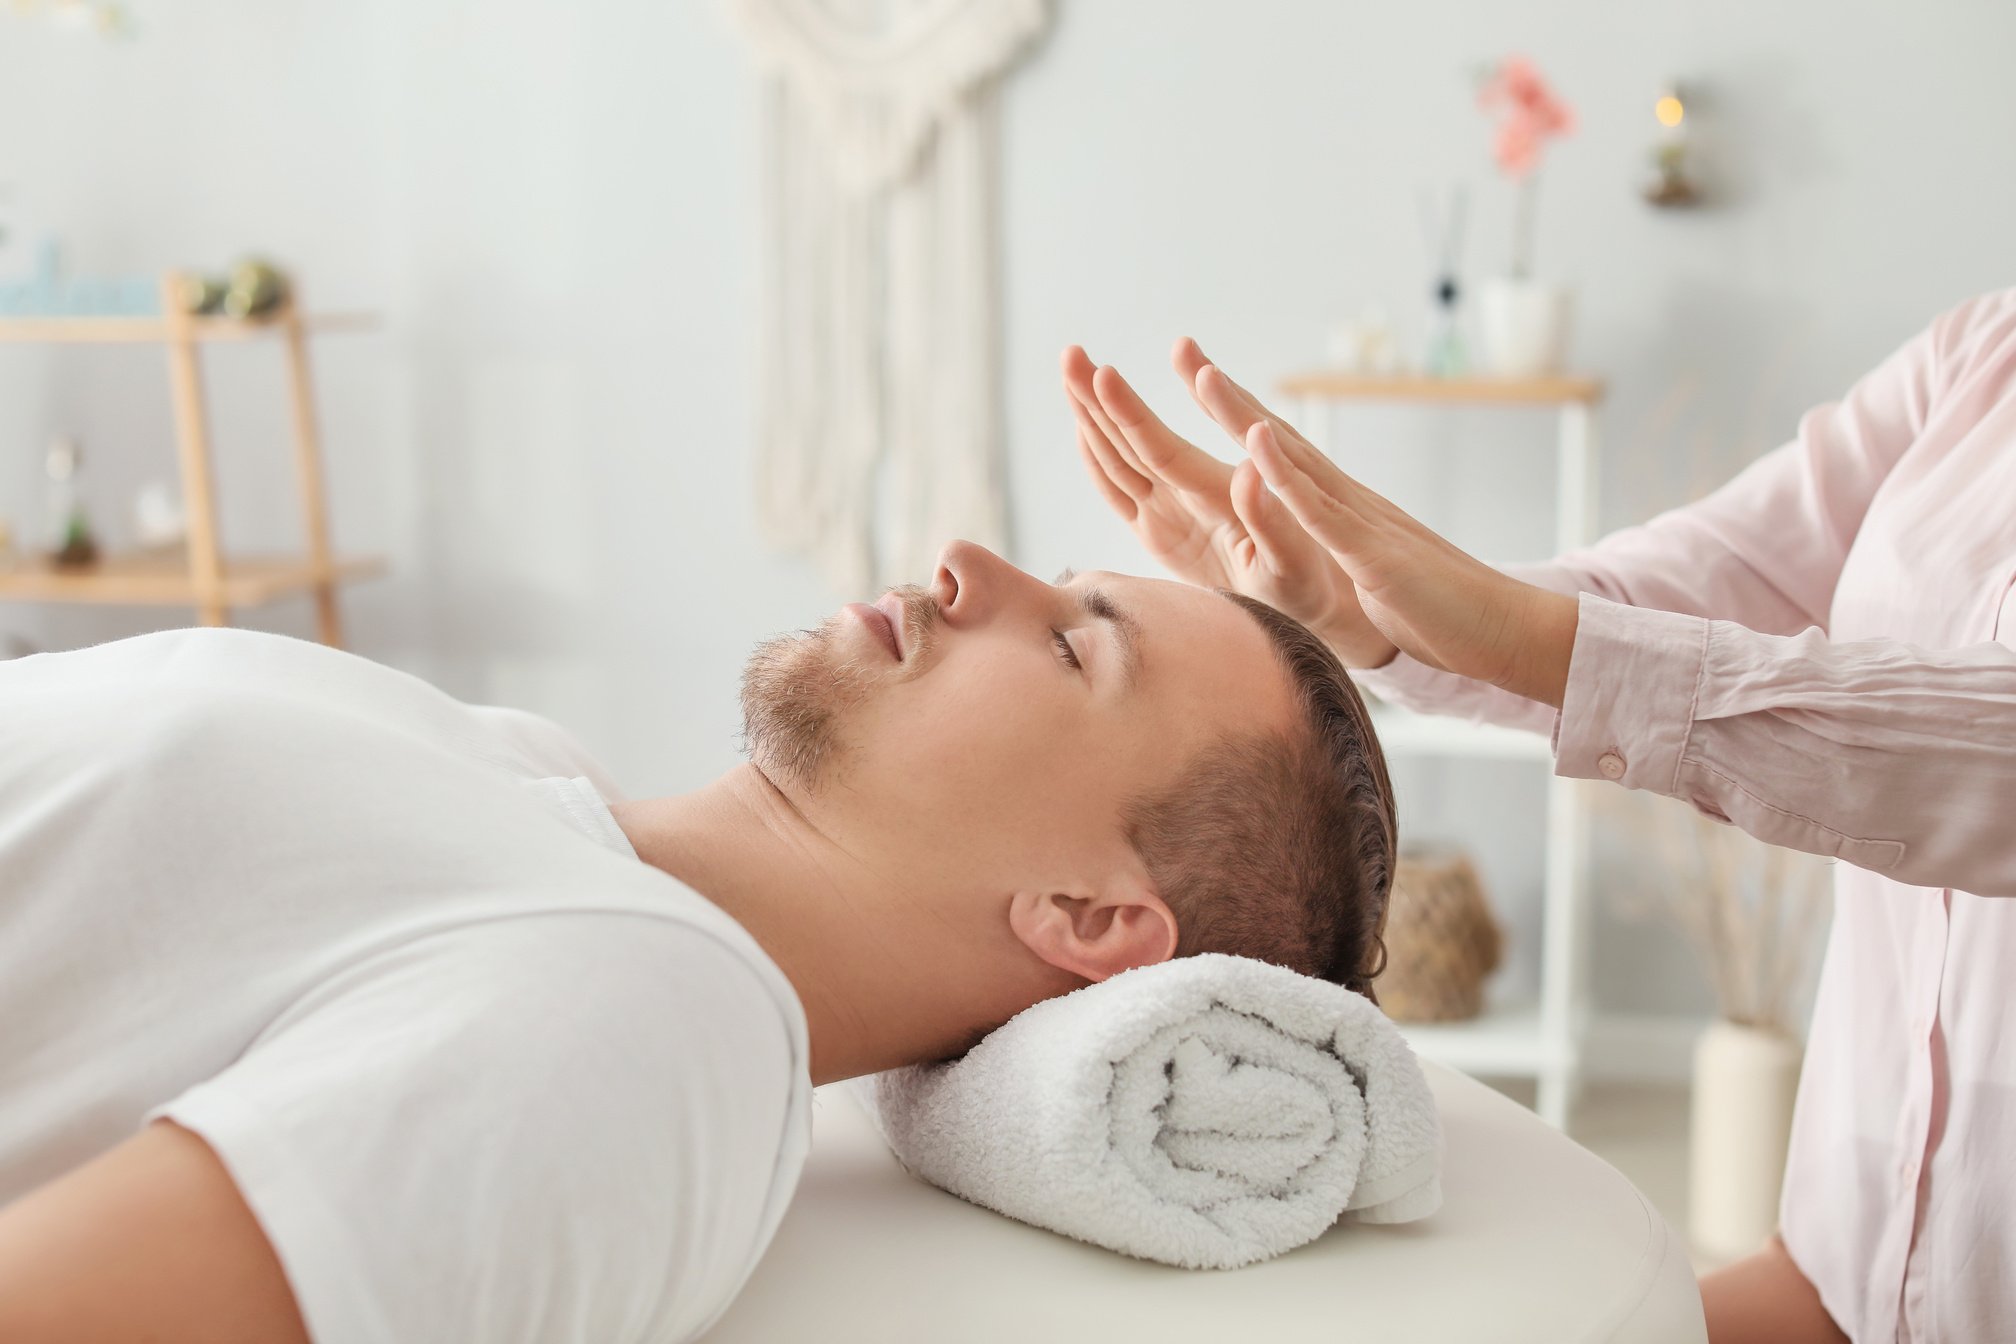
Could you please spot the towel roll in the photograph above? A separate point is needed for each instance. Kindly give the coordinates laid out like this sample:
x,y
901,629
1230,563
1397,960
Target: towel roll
x,y
1207,1112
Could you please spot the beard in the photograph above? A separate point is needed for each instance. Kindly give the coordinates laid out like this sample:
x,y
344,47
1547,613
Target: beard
x,y
797,689
793,691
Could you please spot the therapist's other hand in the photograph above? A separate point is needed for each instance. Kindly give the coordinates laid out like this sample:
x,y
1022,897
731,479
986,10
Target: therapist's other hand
x,y
1208,522
1439,604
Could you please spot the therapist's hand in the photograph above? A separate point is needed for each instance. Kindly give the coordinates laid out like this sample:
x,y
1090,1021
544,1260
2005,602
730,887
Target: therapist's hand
x,y
1210,523
1434,601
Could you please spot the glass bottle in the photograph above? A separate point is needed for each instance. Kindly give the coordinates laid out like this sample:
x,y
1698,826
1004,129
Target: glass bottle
x,y
70,542
1446,357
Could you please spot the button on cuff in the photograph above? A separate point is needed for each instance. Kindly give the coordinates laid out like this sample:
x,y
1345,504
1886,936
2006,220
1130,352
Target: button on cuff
x,y
1627,712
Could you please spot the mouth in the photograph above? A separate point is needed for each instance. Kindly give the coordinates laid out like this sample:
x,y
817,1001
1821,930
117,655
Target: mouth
x,y
892,607
880,625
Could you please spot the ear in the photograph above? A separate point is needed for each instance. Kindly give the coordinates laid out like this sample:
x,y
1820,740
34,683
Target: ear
x,y
1095,934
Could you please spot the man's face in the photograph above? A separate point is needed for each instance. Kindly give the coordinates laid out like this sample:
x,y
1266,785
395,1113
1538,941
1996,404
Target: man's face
x,y
974,743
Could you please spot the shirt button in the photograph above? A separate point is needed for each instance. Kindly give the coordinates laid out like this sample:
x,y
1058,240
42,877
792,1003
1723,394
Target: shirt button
x,y
1611,764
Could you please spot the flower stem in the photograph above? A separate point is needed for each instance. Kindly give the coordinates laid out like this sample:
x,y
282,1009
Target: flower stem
x,y
1522,226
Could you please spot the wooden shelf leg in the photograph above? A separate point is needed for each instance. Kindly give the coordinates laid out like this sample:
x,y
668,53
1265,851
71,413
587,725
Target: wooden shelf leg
x,y
192,442
308,467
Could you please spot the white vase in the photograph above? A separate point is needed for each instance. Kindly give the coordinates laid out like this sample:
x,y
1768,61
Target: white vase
x,y
1745,1079
1523,327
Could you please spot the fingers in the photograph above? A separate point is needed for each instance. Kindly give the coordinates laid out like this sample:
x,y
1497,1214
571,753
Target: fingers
x,y
1116,498
1159,450
1328,506
1225,402
1102,454
1266,520
1189,360
1307,462
1105,462
1241,413
1234,408
1079,376
1120,428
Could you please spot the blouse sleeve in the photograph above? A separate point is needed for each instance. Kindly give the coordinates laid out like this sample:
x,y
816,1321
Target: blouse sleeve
x,y
1764,551
1894,758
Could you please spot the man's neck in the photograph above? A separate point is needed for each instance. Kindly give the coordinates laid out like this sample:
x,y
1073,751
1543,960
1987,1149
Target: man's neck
x,y
881,982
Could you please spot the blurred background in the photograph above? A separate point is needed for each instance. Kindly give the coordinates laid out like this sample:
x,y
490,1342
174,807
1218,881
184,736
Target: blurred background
x,y
554,214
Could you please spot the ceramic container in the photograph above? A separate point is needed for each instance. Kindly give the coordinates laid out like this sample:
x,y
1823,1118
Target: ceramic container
x,y
1745,1079
1522,328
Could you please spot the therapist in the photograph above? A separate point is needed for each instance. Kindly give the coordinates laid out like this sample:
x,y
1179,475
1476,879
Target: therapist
x,y
1822,652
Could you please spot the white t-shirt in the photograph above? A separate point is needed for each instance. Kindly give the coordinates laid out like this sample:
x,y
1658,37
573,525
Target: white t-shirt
x,y
481,1074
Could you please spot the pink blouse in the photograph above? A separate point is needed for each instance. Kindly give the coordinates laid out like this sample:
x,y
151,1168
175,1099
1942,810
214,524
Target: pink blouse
x,y
1823,652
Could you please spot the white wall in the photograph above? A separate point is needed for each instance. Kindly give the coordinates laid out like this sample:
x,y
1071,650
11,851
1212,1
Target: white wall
x,y
552,205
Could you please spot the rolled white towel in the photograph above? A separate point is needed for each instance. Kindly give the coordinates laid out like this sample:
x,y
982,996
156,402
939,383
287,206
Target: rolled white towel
x,y
1207,1112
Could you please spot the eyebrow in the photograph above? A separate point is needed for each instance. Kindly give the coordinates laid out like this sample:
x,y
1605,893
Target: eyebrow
x,y
1098,604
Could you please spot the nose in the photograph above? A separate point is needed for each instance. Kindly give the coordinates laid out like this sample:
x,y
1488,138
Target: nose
x,y
972,584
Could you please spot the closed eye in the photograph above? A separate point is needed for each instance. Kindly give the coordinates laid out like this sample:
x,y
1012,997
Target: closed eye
x,y
1064,648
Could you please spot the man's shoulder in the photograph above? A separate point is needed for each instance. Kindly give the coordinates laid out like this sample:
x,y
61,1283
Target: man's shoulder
x,y
664,979
594,1109
182,667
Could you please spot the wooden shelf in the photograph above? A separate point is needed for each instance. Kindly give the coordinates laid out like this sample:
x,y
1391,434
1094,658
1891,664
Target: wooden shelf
x,y
1419,387
1504,1041
140,330
197,573
150,578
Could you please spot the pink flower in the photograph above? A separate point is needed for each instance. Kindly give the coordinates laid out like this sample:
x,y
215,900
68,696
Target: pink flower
x,y
1528,115
1516,147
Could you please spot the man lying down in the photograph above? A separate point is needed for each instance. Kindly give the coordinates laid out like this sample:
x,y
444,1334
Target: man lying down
x,y
333,1007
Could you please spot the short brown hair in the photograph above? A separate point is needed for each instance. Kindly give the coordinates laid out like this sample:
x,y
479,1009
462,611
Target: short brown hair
x,y
1280,847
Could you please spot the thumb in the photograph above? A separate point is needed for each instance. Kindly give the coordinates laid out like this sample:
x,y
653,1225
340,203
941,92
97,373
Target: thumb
x,y
1266,519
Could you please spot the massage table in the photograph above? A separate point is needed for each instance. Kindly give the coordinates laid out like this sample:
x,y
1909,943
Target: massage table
x,y
1537,1240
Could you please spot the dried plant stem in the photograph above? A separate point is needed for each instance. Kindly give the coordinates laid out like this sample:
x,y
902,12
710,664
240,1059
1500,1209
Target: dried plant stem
x,y
1751,909
1729,942
1811,888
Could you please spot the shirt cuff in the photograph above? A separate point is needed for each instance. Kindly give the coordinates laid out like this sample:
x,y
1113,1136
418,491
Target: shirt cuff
x,y
1633,679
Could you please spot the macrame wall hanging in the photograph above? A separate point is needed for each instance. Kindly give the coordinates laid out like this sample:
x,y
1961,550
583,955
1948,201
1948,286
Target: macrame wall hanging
x,y
878,374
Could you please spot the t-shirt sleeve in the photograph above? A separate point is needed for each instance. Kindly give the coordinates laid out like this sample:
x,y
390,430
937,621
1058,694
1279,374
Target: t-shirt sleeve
x,y
570,1127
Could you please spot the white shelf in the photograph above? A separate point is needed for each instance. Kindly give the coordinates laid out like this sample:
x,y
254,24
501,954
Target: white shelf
x,y
1405,733
1508,1042
1546,1040
1504,1042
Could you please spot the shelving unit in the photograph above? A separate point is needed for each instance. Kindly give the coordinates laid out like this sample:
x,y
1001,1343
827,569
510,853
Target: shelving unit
x,y
198,574
1543,1040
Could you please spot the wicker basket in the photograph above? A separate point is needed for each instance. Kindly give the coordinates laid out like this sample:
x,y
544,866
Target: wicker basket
x,y
1441,940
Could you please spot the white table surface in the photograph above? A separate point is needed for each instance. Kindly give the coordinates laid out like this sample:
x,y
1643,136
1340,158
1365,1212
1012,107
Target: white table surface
x,y
1537,1240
